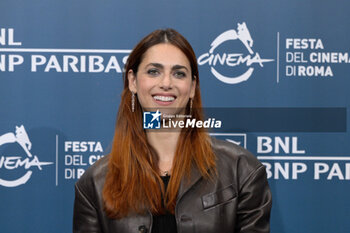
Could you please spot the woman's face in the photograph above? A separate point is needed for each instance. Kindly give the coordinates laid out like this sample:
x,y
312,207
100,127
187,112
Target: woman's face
x,y
163,80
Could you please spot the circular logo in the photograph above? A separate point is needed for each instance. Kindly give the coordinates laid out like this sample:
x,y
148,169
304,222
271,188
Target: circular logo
x,y
241,34
14,162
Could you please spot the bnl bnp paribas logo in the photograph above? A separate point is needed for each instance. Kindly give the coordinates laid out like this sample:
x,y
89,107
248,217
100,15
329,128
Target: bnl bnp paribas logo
x,y
237,65
151,120
239,139
17,155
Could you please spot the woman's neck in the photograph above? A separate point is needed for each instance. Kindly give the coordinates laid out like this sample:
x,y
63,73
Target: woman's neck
x,y
164,144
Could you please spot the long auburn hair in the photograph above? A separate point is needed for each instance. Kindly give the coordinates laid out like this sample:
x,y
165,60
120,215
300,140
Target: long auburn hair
x,y
132,183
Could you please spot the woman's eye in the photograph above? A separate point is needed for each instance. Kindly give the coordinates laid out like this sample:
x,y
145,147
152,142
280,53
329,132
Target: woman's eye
x,y
153,72
180,74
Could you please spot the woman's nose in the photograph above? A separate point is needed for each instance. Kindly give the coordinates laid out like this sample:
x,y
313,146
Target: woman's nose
x,y
166,82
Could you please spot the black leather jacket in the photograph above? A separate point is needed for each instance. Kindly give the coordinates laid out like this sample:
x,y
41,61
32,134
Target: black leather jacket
x,y
238,200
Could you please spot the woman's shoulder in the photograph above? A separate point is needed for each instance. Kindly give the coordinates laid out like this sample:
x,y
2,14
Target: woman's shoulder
x,y
232,156
94,176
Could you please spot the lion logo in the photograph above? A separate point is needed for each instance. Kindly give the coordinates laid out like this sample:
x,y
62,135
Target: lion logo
x,y
12,162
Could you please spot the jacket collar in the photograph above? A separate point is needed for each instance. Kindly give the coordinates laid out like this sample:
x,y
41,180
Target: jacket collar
x,y
187,183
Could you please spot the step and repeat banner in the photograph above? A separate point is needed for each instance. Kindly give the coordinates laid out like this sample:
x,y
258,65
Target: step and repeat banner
x,y
275,73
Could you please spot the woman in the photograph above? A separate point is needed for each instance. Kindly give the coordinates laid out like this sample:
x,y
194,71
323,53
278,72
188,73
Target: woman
x,y
175,180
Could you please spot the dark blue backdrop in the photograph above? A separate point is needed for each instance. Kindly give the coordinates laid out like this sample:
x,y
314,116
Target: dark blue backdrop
x,y
291,111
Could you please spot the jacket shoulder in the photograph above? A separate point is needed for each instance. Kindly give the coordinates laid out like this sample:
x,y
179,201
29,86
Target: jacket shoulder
x,y
235,158
92,181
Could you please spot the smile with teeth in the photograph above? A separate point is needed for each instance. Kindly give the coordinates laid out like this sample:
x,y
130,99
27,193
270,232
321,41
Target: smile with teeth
x,y
164,98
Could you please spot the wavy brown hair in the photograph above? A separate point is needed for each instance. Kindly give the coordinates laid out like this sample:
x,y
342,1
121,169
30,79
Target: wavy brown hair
x,y
133,184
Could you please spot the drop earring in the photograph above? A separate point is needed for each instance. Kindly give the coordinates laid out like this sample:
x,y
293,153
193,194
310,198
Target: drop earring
x,y
191,103
132,102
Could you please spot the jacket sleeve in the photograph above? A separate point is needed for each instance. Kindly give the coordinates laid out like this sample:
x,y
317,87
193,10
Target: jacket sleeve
x,y
254,203
85,217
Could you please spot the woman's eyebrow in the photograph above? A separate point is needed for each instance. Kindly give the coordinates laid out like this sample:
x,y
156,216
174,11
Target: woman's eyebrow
x,y
160,66
178,67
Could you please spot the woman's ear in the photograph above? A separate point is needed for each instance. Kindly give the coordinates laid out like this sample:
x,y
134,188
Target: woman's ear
x,y
132,81
193,87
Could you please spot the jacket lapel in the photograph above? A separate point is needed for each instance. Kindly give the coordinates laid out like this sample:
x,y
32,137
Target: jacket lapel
x,y
186,183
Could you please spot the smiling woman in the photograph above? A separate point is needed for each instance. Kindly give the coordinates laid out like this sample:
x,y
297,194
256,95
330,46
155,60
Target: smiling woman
x,y
172,181
163,80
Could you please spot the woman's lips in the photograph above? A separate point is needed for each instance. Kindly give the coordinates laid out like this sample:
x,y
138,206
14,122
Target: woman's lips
x,y
164,100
